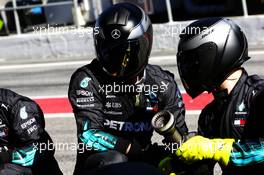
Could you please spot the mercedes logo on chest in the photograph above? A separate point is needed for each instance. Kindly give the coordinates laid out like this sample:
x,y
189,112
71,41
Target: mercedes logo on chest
x,y
116,34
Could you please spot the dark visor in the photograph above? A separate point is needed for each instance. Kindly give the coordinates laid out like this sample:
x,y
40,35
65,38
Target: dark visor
x,y
123,60
194,68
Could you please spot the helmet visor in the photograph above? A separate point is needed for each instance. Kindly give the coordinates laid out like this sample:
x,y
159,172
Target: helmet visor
x,y
124,60
196,68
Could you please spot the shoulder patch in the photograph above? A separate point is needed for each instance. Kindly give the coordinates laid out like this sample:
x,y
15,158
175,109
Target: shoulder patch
x,y
85,82
23,113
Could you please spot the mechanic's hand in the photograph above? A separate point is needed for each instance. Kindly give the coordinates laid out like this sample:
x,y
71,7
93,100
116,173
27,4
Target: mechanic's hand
x,y
199,148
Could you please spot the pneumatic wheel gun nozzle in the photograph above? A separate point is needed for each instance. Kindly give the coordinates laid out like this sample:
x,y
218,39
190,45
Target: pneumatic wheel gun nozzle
x,y
164,123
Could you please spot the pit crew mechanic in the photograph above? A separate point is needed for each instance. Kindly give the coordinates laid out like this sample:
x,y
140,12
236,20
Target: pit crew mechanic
x,y
22,132
231,126
116,126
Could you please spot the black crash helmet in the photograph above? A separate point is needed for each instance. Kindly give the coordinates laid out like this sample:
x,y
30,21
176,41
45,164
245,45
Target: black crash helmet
x,y
209,51
123,40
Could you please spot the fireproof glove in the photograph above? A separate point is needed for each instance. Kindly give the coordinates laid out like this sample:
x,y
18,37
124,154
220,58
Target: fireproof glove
x,y
199,148
1,24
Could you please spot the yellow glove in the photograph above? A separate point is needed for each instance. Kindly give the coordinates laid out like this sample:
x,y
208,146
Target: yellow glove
x,y
199,148
1,24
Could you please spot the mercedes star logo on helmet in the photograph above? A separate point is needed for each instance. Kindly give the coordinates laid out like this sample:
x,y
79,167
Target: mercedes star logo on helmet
x,y
116,33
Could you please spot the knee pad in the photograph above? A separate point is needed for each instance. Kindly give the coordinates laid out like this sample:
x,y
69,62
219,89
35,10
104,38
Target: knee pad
x,y
12,169
99,160
128,168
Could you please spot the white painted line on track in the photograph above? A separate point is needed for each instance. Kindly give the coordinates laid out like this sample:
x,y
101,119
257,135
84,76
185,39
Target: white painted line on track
x,y
48,97
154,59
256,52
65,96
193,112
165,57
58,115
42,65
71,115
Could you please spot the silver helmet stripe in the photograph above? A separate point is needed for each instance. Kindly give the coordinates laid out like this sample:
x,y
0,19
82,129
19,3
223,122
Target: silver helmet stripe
x,y
141,28
213,33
